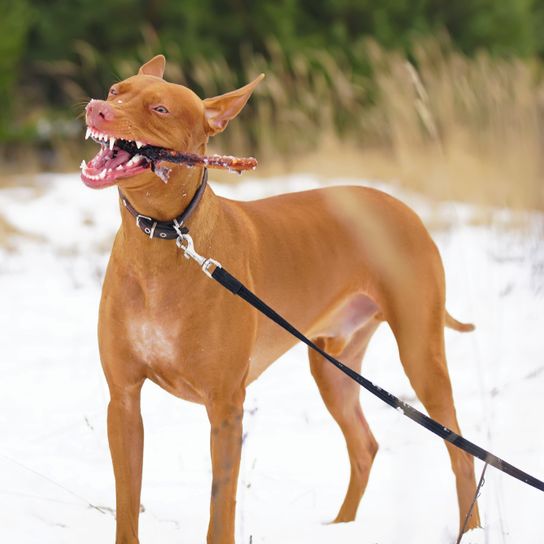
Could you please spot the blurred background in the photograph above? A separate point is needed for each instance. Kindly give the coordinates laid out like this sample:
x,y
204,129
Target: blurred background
x,y
444,97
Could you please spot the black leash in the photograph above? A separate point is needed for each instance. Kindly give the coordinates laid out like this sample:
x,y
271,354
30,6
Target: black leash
x,y
236,287
472,504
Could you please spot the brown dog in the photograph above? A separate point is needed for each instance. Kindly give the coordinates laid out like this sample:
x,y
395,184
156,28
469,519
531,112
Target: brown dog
x,y
336,262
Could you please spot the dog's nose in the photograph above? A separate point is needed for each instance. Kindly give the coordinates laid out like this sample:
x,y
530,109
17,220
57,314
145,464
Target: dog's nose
x,y
98,111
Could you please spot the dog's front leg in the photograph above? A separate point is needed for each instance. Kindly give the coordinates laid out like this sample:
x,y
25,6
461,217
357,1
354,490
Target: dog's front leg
x,y
225,413
126,439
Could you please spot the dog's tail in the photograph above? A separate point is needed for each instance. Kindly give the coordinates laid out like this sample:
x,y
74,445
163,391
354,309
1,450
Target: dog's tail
x,y
452,323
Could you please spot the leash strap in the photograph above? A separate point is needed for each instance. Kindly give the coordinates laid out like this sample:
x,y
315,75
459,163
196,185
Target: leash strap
x,y
236,287
472,504
166,230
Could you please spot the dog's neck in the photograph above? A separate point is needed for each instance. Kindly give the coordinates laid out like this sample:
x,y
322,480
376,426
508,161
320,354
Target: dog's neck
x,y
164,202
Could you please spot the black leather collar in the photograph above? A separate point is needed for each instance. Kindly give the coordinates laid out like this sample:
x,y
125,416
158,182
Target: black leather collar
x,y
167,230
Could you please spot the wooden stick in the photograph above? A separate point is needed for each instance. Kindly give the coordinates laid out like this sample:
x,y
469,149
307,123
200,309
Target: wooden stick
x,y
225,162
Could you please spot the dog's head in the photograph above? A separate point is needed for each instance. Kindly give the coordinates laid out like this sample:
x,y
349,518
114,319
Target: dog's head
x,y
146,110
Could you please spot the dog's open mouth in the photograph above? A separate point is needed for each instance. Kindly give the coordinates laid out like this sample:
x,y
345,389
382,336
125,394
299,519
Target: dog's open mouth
x,y
119,158
116,159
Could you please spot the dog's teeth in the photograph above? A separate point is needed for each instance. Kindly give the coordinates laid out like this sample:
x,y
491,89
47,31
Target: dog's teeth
x,y
88,133
134,160
112,143
83,165
102,174
139,144
120,167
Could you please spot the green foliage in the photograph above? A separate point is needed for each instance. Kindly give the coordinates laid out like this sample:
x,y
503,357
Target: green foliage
x,y
74,49
504,27
14,23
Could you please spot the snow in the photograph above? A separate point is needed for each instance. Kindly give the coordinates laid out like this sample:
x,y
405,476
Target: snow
x,y
56,482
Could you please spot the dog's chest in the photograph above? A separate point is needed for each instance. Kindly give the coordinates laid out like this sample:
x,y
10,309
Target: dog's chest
x,y
159,348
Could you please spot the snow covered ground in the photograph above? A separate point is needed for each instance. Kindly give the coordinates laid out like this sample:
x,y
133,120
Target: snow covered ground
x,y
56,483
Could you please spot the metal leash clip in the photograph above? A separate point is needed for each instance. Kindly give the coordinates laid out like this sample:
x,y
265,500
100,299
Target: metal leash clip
x,y
186,244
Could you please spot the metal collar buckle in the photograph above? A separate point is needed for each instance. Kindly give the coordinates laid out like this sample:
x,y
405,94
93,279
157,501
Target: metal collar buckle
x,y
147,230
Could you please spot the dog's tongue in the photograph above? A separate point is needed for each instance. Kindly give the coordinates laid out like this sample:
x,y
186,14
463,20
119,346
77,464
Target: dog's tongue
x,y
109,165
109,159
120,158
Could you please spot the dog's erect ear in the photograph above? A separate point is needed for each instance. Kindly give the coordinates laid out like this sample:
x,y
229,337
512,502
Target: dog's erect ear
x,y
154,67
219,110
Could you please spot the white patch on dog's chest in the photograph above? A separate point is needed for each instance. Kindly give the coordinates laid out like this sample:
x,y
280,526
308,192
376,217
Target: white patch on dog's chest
x,y
152,343
158,348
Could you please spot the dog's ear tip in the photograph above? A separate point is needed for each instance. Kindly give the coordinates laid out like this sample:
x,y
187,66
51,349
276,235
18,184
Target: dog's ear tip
x,y
154,67
219,110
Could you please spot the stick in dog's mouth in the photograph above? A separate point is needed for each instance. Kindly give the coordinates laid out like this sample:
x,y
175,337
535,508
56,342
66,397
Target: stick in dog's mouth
x,y
119,158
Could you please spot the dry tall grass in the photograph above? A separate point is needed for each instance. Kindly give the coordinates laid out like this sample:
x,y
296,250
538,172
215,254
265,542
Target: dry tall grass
x,y
463,128
444,124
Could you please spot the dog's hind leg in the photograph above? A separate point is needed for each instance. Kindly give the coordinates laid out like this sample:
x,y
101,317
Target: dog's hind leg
x,y
341,396
418,326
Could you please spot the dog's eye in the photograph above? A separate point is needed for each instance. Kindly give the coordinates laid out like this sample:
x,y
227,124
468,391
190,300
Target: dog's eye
x,y
161,109
114,91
